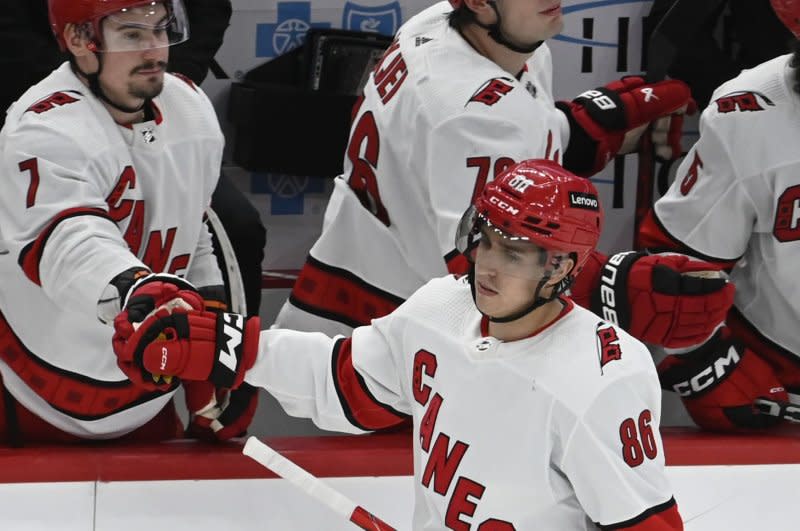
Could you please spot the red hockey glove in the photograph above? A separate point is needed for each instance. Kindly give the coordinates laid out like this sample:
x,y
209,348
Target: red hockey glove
x,y
600,118
148,294
720,382
194,345
664,299
219,414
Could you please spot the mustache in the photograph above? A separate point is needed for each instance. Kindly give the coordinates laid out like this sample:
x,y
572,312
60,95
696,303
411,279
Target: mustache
x,y
150,66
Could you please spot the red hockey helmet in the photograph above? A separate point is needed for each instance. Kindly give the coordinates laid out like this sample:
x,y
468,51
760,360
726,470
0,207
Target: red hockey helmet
x,y
788,12
92,12
456,3
540,202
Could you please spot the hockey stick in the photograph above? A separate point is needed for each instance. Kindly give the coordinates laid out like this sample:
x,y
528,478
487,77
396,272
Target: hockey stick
x,y
313,486
682,22
233,274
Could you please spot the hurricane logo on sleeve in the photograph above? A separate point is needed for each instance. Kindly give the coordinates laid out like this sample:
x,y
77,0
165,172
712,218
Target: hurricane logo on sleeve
x,y
742,101
492,91
608,348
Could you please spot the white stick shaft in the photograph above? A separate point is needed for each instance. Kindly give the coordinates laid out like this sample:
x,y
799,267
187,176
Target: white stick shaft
x,y
299,477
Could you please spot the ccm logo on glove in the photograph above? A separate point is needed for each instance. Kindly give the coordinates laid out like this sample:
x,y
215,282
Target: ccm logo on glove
x,y
234,324
706,378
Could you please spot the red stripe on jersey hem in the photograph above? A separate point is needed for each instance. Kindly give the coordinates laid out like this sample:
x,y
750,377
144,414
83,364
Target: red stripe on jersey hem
x,y
784,362
31,255
662,517
655,237
338,295
360,407
73,394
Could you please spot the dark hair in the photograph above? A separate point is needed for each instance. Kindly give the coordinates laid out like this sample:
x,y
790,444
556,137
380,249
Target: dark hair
x,y
461,17
795,63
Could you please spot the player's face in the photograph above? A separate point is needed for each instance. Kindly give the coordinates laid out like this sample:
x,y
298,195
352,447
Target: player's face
x,y
529,21
506,273
137,71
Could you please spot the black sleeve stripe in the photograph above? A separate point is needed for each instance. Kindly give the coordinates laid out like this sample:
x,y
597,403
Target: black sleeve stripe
x,y
639,518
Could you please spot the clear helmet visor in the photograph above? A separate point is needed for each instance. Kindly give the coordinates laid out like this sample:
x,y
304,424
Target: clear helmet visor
x,y
145,27
495,251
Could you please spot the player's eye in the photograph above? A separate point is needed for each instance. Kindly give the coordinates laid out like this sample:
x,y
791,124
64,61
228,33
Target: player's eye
x,y
132,35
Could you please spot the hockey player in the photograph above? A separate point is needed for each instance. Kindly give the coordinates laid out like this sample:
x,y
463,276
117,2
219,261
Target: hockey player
x,y
462,93
108,165
528,412
734,204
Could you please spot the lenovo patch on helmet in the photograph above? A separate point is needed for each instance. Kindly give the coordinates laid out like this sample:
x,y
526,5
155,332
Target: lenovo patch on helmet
x,y
584,200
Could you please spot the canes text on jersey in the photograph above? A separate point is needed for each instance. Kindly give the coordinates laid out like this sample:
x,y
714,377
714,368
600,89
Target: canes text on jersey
x,y
443,465
157,249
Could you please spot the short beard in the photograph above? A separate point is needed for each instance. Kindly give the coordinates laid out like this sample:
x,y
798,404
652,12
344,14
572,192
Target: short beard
x,y
146,93
151,90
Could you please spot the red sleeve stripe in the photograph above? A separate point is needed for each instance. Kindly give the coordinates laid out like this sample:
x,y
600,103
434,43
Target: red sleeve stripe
x,y
457,263
655,237
31,254
360,407
338,295
662,517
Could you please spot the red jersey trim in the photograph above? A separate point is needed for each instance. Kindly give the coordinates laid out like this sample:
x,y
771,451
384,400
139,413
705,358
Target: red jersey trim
x,y
360,407
157,116
663,517
31,254
338,295
655,237
71,393
568,306
185,79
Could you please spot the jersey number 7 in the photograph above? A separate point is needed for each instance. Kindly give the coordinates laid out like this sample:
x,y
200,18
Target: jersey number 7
x,y
32,166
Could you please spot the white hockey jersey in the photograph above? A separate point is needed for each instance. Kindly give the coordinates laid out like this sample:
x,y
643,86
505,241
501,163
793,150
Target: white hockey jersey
x,y
437,121
551,432
84,199
736,196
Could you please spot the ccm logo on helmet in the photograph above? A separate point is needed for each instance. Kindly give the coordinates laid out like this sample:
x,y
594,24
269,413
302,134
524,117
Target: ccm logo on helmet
x,y
502,205
584,200
708,377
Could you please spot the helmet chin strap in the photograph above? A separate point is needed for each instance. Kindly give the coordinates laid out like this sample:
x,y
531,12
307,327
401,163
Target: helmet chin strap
x,y
537,300
496,33
97,90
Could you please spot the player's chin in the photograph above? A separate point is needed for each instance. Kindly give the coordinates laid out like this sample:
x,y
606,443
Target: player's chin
x,y
148,89
487,304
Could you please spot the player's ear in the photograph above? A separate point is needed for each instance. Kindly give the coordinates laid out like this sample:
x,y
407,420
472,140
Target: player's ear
x,y
565,266
481,8
77,40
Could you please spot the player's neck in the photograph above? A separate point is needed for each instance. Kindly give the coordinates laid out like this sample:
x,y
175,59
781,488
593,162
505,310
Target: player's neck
x,y
510,61
124,118
527,325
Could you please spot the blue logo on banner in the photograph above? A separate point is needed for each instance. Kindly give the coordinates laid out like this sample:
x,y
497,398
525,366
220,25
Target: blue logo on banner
x,y
288,32
287,192
379,19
